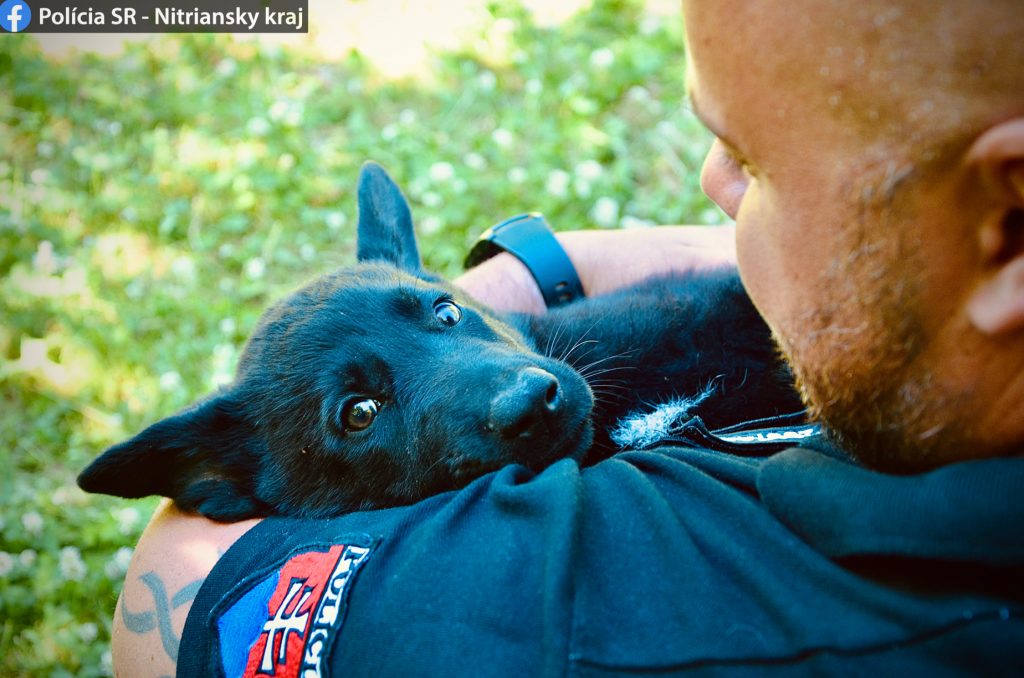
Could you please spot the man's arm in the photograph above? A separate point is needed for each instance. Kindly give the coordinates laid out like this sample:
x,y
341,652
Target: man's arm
x,y
177,551
171,561
605,261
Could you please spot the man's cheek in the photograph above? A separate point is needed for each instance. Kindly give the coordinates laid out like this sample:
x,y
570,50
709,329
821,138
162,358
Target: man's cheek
x,y
755,254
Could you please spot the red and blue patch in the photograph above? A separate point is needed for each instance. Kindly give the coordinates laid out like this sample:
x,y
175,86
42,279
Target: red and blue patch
x,y
284,626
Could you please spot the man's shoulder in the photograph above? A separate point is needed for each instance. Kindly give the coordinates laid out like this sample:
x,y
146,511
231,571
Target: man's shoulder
x,y
676,556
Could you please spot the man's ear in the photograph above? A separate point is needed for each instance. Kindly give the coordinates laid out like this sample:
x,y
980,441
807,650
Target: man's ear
x,y
385,223
996,306
206,458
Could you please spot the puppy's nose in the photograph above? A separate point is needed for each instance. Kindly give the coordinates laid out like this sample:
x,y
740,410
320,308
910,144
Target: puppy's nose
x,y
526,404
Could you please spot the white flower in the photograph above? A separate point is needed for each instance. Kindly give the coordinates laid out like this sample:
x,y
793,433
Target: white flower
x,y
335,220
629,221
6,563
107,663
228,326
431,199
60,496
429,224
227,67
533,87
134,289
474,161
486,80
638,94
582,187
117,566
589,170
389,132
407,116
72,567
650,24
712,215
517,175
222,363
44,260
123,557
418,185
502,137
127,518
504,25
170,381
88,632
441,171
602,58
257,127
666,129
33,523
286,162
605,212
558,183
255,268
184,268
278,109
27,558
307,252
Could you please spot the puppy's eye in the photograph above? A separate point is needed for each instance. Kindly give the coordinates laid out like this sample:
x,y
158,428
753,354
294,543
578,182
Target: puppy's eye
x,y
358,414
447,312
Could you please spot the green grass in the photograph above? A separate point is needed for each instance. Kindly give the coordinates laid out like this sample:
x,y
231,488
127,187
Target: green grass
x,y
153,203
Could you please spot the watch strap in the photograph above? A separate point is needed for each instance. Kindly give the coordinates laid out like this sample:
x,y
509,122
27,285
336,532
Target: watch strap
x,y
529,239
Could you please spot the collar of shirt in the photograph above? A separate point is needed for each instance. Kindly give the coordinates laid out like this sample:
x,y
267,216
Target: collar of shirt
x,y
970,511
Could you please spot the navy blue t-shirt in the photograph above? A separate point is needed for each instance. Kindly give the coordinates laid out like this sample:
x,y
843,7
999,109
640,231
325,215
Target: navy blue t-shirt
x,y
734,553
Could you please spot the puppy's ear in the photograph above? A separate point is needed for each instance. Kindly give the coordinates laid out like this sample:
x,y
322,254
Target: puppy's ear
x,y
205,458
385,223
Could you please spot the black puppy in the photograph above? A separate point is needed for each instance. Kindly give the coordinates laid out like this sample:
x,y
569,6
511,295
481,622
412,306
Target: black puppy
x,y
380,384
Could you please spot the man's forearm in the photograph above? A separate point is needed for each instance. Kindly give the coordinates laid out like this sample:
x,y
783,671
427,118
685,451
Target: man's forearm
x,y
605,261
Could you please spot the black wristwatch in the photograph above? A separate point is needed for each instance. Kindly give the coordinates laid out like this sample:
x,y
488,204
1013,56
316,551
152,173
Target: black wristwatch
x,y
529,239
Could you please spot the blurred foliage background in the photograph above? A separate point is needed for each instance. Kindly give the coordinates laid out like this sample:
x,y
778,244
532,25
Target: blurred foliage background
x,y
154,201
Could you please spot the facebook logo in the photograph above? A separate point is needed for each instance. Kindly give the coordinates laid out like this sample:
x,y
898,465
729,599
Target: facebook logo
x,y
15,15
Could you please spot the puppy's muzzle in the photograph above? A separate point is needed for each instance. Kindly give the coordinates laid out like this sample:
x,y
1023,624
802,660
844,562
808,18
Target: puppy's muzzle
x,y
527,405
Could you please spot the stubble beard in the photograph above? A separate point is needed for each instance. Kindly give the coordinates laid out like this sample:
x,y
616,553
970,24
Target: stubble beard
x,y
856,361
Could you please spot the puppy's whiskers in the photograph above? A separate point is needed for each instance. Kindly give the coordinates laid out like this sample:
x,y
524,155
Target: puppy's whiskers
x,y
577,345
588,368
565,356
550,344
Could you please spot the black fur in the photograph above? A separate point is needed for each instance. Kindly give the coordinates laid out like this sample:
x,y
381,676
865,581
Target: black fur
x,y
453,400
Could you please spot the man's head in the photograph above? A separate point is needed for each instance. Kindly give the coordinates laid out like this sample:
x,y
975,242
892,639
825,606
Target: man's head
x,y
872,154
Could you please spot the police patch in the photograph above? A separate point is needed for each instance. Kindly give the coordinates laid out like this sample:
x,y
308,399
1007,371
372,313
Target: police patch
x,y
283,626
